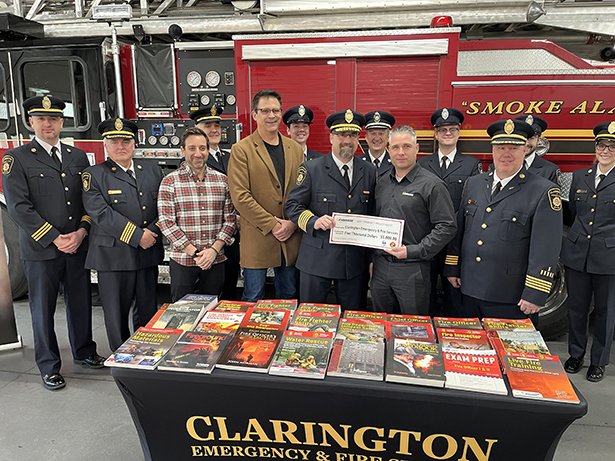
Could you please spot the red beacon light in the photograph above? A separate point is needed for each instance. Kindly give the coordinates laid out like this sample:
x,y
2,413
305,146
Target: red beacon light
x,y
442,21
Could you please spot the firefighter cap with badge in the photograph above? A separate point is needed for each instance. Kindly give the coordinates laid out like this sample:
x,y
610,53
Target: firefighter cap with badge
x,y
44,106
605,131
207,114
510,132
298,114
538,124
379,119
446,116
346,120
118,128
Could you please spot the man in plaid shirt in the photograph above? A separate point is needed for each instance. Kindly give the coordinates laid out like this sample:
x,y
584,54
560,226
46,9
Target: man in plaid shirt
x,y
198,218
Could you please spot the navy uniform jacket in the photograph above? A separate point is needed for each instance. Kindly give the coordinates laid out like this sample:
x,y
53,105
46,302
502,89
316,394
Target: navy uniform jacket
x,y
44,200
320,190
545,168
589,245
220,165
385,165
312,154
119,210
457,172
506,249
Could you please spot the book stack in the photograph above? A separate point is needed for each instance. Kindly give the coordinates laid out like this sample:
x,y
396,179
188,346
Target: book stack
x,y
183,314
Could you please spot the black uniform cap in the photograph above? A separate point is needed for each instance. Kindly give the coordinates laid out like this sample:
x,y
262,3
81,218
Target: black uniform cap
x,y
346,120
298,114
538,124
44,105
118,128
605,130
379,119
510,132
447,116
210,113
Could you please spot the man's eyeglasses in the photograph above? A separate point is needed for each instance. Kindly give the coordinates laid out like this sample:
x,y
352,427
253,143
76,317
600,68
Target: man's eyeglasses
x,y
270,111
347,134
453,130
602,146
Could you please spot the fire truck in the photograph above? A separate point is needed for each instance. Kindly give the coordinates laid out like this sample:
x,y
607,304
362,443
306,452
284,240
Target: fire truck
x,y
157,63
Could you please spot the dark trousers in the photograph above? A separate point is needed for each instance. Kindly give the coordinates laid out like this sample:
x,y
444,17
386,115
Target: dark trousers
x,y
452,304
231,271
474,307
118,290
193,279
581,286
400,287
351,294
44,278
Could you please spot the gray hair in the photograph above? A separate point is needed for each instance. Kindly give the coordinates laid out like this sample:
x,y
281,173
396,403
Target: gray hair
x,y
403,129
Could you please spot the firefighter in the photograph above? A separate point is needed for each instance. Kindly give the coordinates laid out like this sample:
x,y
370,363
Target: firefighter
x,y
298,120
534,163
453,167
340,183
378,125
120,195
208,119
504,255
42,184
588,254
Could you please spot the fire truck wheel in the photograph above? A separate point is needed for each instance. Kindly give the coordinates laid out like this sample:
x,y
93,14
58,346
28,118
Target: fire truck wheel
x,y
553,317
17,276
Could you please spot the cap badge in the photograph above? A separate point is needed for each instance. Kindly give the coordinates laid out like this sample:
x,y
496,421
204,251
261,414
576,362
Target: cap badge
x,y
214,110
119,125
611,128
348,116
46,102
509,126
377,117
529,120
301,110
444,114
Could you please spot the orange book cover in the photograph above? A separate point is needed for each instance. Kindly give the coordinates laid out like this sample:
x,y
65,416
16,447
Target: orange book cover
x,y
463,340
490,324
407,318
468,323
233,306
376,316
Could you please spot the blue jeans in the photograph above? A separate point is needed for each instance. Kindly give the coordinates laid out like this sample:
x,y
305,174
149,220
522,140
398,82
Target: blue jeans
x,y
285,282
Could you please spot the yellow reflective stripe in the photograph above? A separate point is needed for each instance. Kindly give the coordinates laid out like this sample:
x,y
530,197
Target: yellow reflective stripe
x,y
41,231
127,233
451,260
86,218
303,220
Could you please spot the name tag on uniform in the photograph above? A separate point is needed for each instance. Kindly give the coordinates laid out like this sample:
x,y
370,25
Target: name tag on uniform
x,y
114,192
408,194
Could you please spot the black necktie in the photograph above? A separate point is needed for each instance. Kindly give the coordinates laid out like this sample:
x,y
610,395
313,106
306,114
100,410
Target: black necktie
x,y
443,166
377,163
527,166
496,191
56,157
346,177
132,176
601,178
215,155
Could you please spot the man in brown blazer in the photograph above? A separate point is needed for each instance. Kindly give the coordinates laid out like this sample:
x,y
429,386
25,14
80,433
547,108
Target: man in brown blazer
x,y
262,170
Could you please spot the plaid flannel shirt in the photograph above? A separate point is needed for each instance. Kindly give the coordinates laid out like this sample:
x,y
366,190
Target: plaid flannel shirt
x,y
195,211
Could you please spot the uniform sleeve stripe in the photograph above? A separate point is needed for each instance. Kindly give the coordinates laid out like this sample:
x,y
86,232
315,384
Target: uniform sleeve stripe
x,y
158,224
41,231
86,218
451,260
128,231
303,219
536,281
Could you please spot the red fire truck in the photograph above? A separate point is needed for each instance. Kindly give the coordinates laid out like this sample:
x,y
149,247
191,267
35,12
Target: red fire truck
x,y
408,72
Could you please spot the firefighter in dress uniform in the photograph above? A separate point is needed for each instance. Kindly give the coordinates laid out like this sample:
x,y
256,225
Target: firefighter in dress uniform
x,y
378,126
504,255
588,253
298,120
209,120
42,185
454,168
120,195
534,163
336,183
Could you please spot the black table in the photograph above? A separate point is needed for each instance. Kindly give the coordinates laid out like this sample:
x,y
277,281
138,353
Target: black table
x,y
248,416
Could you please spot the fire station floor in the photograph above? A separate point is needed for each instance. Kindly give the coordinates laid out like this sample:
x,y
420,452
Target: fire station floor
x,y
88,420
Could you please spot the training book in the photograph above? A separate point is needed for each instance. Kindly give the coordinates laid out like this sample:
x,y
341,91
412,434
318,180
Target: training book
x,y
303,354
408,318
365,315
251,349
183,316
477,371
195,352
416,331
361,330
357,359
472,323
209,300
144,349
220,322
266,318
490,324
539,377
528,342
290,304
414,362
315,307
463,340
314,321
233,306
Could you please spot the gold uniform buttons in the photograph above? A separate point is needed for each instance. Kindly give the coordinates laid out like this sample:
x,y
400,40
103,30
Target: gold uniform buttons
x,y
66,189
63,175
42,175
349,210
483,225
144,207
70,217
115,201
68,203
594,196
514,219
488,209
144,222
479,243
349,196
478,259
593,209
589,236
591,223
324,199
141,193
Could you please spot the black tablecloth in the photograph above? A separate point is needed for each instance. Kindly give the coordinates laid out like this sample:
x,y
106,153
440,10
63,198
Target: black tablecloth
x,y
249,416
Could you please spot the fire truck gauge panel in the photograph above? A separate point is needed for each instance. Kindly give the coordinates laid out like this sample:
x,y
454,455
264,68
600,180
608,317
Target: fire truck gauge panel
x,y
212,78
194,79
205,99
230,99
